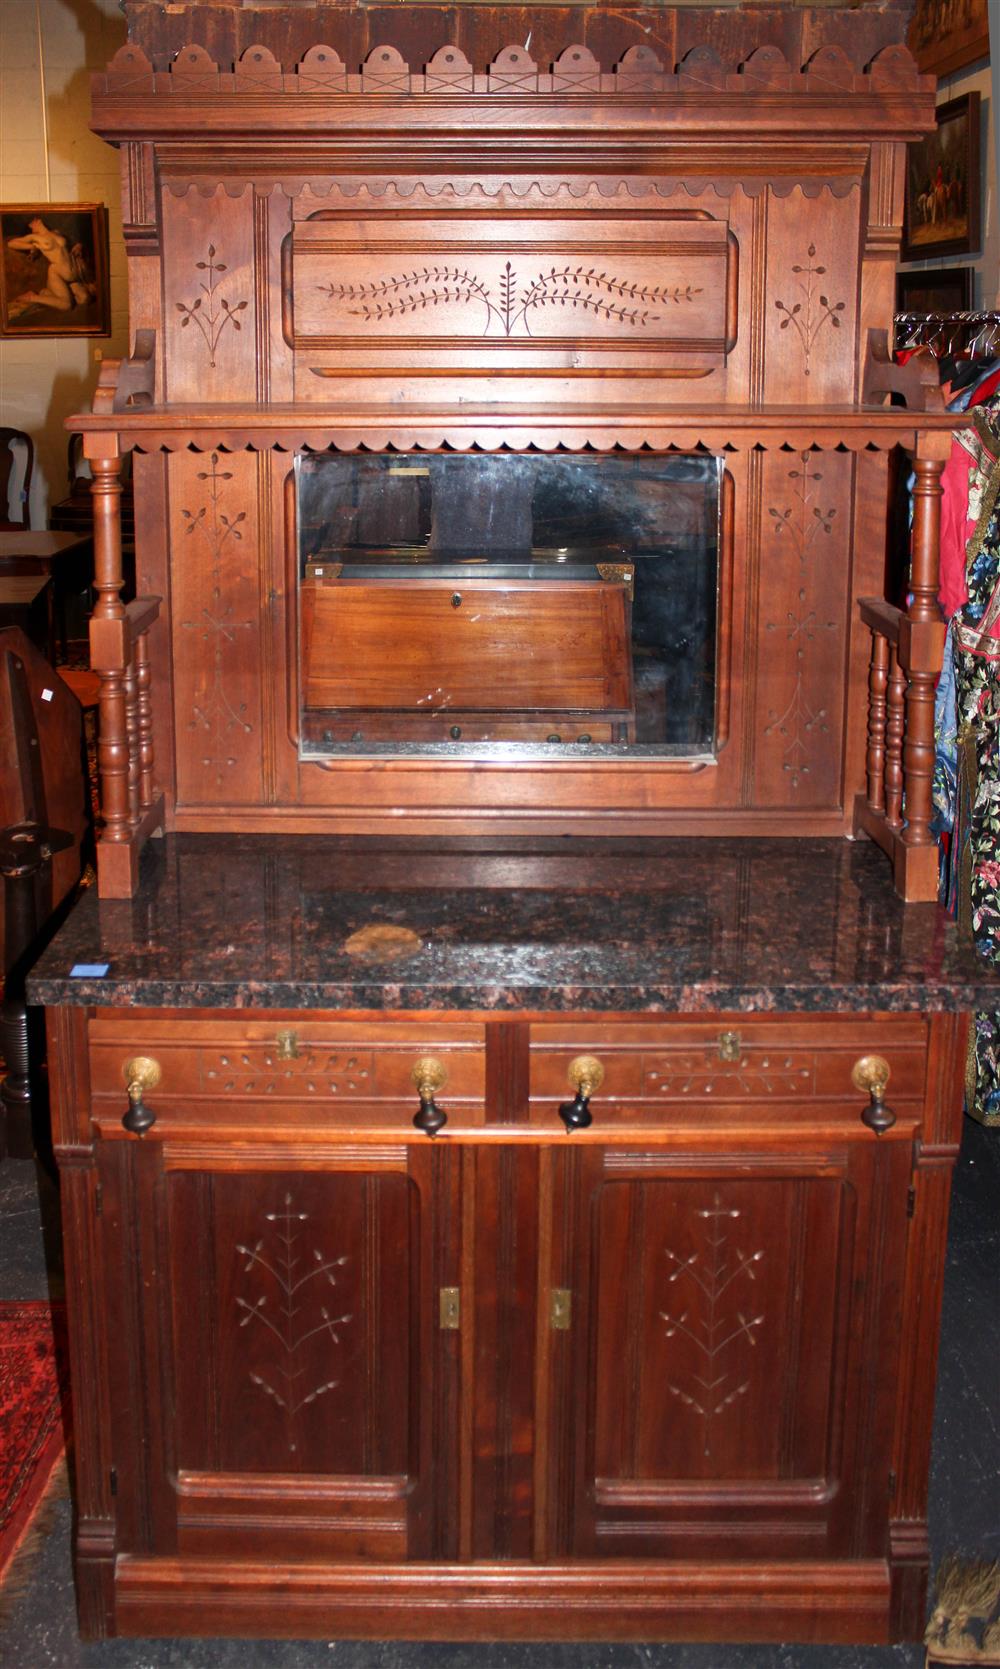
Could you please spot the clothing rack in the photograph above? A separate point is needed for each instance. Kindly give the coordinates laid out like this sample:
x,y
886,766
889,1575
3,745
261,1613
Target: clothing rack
x,y
972,335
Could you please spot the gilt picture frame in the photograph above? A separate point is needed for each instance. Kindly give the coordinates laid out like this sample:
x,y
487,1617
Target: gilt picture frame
x,y
54,272
946,35
943,185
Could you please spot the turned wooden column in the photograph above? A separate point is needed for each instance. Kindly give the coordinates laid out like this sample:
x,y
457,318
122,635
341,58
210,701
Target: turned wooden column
x,y
920,647
109,650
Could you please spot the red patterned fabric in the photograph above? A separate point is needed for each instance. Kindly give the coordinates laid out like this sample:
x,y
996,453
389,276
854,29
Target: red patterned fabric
x,y
33,1384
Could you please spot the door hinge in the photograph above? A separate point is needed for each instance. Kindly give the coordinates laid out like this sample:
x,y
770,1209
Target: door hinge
x,y
99,1199
560,1308
892,1484
114,1481
450,1309
911,1200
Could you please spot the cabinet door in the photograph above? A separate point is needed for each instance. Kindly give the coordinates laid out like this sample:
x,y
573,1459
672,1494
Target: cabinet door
x,y
281,1383
725,1384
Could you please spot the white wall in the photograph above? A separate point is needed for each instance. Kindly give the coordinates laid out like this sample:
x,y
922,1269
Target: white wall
x,y
48,49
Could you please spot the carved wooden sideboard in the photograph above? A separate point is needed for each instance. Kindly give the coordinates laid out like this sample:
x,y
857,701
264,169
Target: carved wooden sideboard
x,y
668,1373
669,235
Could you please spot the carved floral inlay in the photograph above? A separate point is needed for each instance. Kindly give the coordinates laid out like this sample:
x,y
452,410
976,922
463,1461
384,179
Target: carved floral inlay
x,y
211,313
802,520
814,311
217,715
799,525
283,1300
711,1311
579,287
323,1072
796,725
704,1074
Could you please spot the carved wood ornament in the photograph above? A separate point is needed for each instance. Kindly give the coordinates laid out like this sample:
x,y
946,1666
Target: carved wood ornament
x,y
597,243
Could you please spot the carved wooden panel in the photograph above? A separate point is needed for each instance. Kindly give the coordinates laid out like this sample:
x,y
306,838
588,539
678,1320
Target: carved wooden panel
x,y
805,556
710,1398
215,586
208,295
810,307
473,292
298,1354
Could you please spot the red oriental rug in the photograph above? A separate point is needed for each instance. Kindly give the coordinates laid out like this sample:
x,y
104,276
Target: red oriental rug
x,y
33,1386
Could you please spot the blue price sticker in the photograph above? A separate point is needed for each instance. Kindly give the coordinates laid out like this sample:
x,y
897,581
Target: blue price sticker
x,y
89,970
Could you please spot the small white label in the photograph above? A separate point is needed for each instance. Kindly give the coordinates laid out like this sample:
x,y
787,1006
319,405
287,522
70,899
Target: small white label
x,y
47,695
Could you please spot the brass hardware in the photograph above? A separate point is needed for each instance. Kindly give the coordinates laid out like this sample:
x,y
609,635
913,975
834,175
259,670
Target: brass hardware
x,y
450,1309
586,1074
730,1046
406,469
288,1046
871,1074
324,570
141,1074
560,1309
623,572
429,1075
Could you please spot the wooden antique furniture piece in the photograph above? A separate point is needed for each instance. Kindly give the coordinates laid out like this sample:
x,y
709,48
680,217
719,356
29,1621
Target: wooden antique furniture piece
x,y
539,1238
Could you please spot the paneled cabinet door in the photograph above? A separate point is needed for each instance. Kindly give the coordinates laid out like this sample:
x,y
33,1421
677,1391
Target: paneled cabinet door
x,y
724,1386
281,1384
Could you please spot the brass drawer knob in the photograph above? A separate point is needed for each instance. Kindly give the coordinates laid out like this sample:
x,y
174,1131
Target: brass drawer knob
x,y
429,1075
871,1074
142,1073
586,1074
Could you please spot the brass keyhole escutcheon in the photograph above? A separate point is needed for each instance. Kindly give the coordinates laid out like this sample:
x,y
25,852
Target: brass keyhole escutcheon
x,y
730,1046
288,1045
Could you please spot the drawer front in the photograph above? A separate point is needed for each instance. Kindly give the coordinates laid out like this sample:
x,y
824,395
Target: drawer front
x,y
305,1072
679,1071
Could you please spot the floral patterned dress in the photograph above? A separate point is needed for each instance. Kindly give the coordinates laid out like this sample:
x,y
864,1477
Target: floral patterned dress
x,y
975,787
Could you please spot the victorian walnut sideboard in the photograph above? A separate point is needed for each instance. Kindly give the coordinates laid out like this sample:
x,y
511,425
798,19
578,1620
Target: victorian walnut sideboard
x,y
531,1225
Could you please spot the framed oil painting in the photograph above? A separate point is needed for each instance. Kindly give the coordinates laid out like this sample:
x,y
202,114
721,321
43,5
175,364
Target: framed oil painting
x,y
934,290
54,270
943,187
945,35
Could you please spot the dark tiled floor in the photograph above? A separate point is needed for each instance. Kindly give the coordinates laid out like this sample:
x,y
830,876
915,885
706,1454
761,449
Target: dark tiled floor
x,y
965,1486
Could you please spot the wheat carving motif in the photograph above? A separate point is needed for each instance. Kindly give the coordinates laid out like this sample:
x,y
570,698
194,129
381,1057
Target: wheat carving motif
x,y
577,287
282,1307
713,1322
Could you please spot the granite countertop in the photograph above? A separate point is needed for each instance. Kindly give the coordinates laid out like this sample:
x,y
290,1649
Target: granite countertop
x,y
224,921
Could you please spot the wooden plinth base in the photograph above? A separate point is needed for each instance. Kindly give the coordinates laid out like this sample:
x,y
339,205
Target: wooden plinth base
x,y
118,861
915,869
846,1602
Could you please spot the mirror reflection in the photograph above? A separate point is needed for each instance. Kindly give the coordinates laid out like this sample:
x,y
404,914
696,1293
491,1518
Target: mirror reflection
x,y
528,601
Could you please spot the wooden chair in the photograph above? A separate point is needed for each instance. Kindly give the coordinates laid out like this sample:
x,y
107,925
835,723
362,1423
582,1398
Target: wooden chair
x,y
17,461
44,832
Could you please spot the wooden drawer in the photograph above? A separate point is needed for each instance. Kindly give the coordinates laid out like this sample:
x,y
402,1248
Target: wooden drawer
x,y
684,1071
256,1074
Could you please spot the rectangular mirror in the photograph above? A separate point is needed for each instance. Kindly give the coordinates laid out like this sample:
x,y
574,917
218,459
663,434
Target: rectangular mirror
x,y
508,601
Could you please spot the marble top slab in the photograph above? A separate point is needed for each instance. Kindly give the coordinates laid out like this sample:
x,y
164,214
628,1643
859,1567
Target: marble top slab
x,y
677,925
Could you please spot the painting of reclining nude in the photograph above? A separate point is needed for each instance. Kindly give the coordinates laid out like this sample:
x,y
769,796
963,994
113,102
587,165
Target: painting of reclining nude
x,y
54,271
